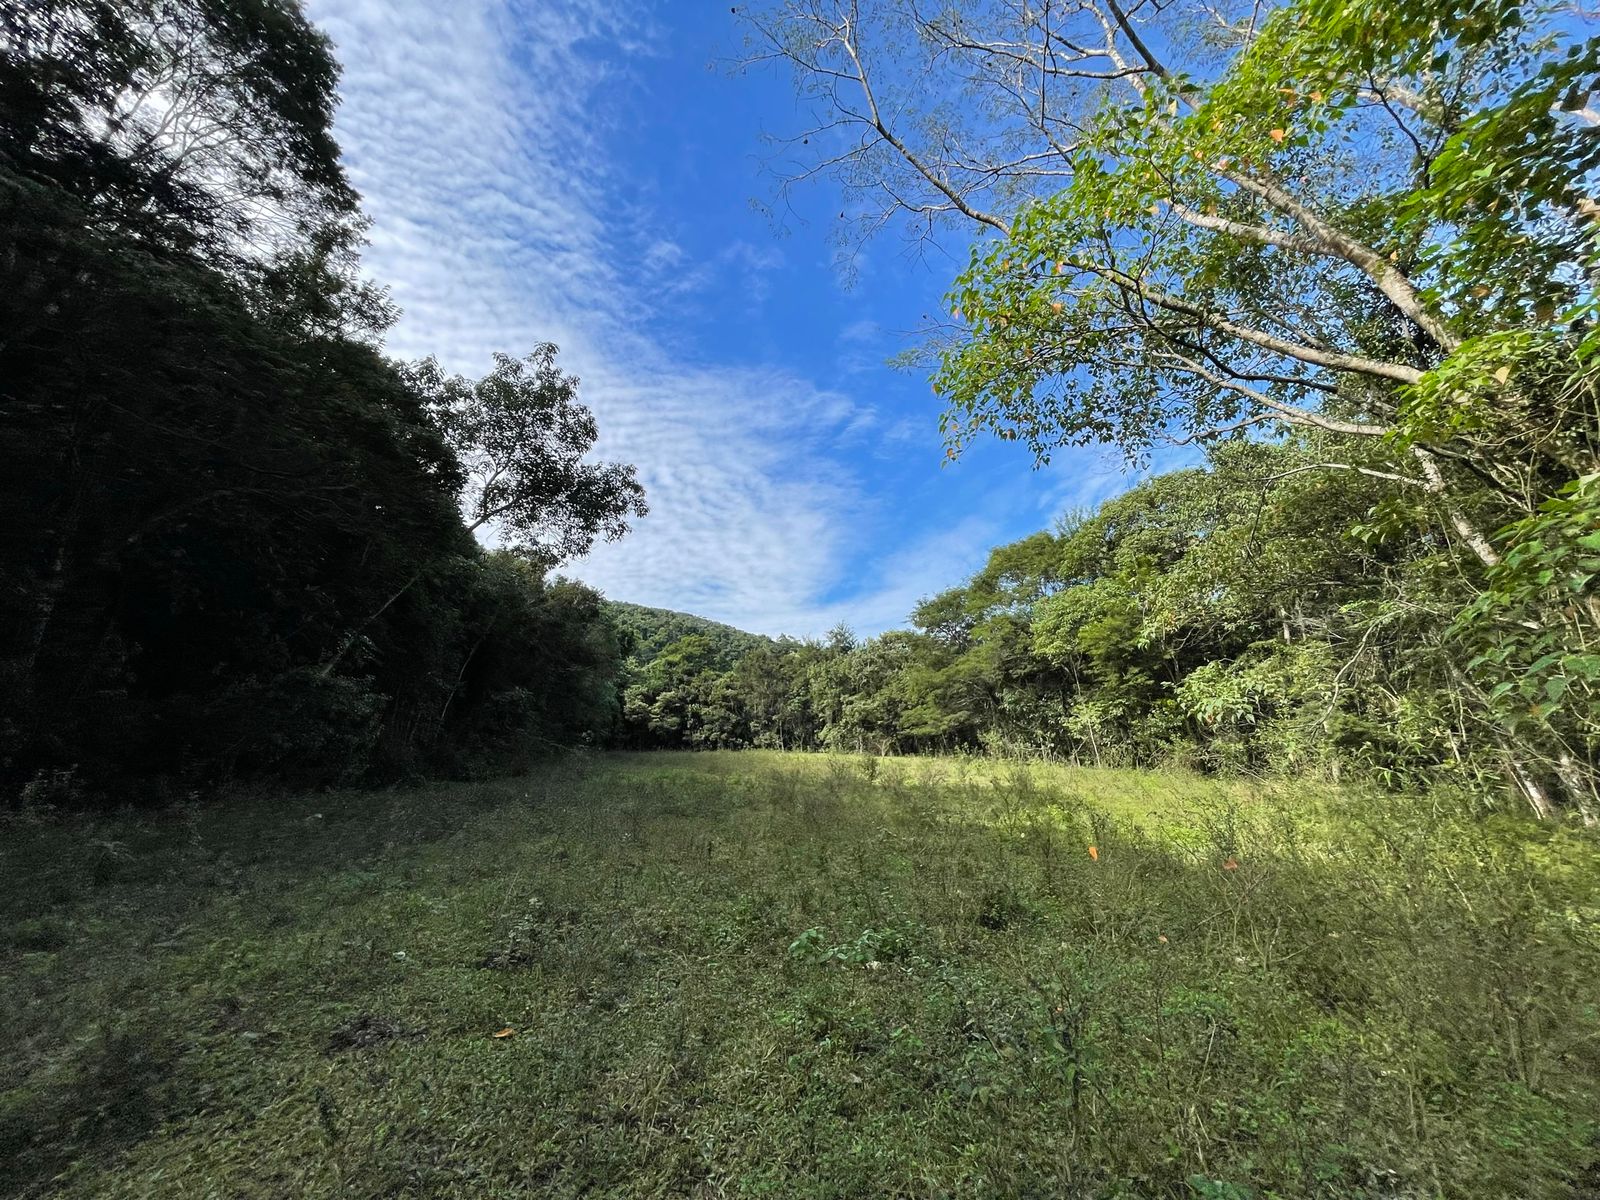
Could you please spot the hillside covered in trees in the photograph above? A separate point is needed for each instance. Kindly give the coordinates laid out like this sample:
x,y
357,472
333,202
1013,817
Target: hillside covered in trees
x,y
1246,615
1348,259
646,632
238,539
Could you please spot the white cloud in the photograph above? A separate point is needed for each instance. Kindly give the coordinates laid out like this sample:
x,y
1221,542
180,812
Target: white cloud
x,y
1091,476
863,332
861,347
476,132
912,573
663,255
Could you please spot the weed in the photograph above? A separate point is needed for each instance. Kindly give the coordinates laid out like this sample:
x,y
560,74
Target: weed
x,y
795,975
1001,907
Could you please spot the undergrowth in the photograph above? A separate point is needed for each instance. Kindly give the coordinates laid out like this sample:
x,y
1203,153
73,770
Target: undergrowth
x,y
756,974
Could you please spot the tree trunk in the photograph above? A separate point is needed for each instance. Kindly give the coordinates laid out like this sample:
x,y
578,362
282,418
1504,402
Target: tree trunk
x,y
326,669
1532,791
1471,536
462,674
45,602
1578,784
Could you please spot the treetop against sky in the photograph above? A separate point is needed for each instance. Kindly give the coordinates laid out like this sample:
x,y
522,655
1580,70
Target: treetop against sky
x,y
601,177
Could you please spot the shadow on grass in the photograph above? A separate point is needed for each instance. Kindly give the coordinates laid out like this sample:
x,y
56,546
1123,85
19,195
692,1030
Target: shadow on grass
x,y
758,974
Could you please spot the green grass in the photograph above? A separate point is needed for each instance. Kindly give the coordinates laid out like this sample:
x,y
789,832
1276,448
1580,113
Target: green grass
x,y
768,975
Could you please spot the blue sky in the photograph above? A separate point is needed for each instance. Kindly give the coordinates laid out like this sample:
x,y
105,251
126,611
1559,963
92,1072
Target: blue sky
x,y
583,172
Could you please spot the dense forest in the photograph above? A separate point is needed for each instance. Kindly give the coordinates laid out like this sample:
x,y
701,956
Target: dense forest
x,y
1346,254
1241,616
238,538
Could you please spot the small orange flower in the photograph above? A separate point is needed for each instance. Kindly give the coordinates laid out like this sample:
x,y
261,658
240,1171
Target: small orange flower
x,y
1094,853
1277,135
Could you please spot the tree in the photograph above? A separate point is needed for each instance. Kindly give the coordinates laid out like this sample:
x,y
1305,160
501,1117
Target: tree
x,y
232,540
200,503
651,630
180,122
523,439
1367,222
670,700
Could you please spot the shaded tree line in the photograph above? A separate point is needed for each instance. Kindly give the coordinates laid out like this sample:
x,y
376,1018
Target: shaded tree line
x,y
238,538
1248,615
1367,224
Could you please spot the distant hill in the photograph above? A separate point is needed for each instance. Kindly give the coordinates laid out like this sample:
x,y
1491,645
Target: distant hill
x,y
654,629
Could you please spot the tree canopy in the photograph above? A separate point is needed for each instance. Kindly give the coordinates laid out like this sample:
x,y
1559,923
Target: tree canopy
x,y
1366,225
238,538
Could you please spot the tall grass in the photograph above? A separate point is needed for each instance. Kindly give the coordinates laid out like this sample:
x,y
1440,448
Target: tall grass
x,y
787,975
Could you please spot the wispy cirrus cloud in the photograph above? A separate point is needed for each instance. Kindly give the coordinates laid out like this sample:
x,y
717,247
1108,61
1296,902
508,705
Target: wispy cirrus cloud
x,y
478,134
484,179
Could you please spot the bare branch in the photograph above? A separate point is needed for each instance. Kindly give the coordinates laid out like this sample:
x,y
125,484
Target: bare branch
x,y
847,41
1287,412
1367,471
1391,281
1332,359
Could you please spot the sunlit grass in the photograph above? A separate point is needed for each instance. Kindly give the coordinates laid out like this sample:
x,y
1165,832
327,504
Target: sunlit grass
x,y
801,975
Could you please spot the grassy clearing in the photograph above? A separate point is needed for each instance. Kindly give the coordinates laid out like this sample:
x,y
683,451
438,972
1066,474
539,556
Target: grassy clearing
x,y
737,975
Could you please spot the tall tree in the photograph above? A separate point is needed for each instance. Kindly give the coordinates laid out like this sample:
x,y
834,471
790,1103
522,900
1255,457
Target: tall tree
x,y
524,441
178,121
1366,221
232,536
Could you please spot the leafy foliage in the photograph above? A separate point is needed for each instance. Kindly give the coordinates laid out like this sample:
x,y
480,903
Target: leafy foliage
x,y
1366,225
234,542
811,976
522,438
649,631
1224,618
